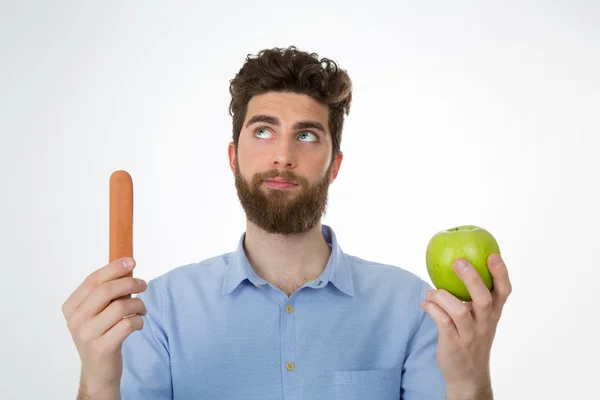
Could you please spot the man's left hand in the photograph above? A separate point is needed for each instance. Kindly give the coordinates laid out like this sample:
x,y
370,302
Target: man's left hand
x,y
466,330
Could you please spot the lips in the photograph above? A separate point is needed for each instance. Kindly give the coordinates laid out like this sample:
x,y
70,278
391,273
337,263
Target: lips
x,y
280,181
279,184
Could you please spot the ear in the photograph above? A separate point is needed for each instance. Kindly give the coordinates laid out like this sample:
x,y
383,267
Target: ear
x,y
337,163
231,154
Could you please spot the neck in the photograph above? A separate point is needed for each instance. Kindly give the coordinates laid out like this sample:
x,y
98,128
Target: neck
x,y
286,261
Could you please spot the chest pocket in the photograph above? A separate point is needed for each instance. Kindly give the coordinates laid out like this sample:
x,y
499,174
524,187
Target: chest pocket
x,y
380,384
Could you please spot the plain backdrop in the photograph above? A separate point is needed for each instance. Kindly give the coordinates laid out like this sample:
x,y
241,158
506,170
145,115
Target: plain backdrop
x,y
480,113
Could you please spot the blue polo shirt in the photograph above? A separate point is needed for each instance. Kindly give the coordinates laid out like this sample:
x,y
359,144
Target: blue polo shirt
x,y
216,330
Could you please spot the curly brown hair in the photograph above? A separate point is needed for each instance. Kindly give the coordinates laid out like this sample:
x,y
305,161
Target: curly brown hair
x,y
292,70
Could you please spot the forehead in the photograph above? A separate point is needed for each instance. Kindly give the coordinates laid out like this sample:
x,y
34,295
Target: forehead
x,y
288,107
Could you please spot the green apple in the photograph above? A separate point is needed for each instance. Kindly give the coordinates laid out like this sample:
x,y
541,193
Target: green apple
x,y
470,242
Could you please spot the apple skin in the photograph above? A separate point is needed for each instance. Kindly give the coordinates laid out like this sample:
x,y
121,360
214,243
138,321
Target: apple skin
x,y
470,242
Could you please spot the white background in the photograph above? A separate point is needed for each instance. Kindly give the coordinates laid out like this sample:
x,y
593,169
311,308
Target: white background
x,y
463,113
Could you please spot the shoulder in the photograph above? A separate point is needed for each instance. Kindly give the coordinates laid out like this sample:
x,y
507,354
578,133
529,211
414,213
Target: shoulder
x,y
211,266
380,270
204,273
386,277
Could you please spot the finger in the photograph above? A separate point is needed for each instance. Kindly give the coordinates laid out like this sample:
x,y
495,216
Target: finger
x,y
459,311
502,284
110,316
113,270
114,338
100,298
444,323
480,294
106,293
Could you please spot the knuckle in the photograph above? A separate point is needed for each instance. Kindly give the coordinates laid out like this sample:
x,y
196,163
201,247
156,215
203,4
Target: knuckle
x,y
132,323
73,325
438,295
474,278
132,285
486,303
120,307
92,280
462,311
446,321
139,304
105,291
84,335
64,309
127,324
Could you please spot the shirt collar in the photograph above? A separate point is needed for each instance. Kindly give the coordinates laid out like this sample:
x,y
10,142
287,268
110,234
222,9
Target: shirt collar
x,y
337,271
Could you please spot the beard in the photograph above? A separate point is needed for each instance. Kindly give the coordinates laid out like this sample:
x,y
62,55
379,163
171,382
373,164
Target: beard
x,y
278,211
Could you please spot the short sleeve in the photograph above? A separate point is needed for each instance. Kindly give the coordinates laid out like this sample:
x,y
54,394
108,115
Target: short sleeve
x,y
421,376
146,360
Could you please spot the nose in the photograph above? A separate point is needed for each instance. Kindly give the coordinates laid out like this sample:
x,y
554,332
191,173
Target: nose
x,y
283,156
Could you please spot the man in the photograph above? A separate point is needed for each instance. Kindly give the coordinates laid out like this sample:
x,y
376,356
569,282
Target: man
x,y
288,314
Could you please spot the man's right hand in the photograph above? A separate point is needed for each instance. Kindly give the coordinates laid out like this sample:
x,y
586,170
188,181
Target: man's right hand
x,y
95,314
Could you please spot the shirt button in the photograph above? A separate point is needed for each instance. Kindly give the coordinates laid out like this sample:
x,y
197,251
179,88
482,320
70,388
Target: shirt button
x,y
290,366
257,285
289,308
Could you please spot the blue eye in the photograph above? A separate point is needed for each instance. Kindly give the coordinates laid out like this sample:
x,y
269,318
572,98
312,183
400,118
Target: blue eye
x,y
257,132
310,133
265,133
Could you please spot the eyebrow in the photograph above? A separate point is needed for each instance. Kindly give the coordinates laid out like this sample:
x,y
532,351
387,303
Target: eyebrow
x,y
306,124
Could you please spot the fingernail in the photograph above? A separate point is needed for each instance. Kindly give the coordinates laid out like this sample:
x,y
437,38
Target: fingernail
x,y
497,261
462,265
429,293
140,281
128,262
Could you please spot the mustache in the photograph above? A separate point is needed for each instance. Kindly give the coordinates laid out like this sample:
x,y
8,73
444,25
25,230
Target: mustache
x,y
286,175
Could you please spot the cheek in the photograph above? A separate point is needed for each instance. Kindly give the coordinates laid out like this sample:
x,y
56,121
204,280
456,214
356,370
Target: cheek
x,y
245,167
324,163
243,156
249,152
